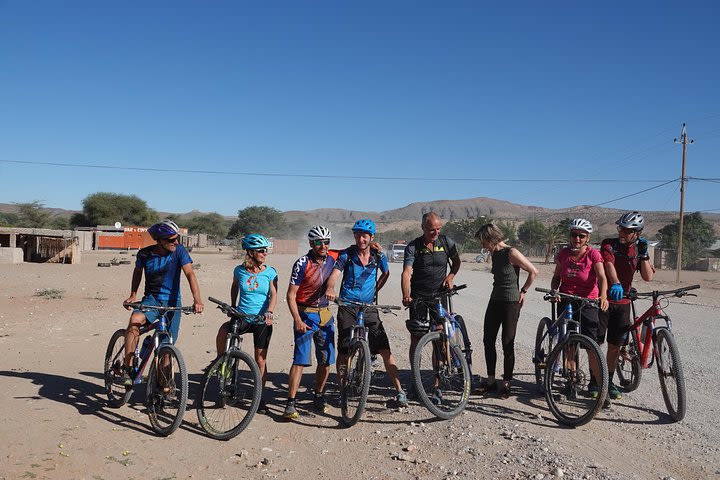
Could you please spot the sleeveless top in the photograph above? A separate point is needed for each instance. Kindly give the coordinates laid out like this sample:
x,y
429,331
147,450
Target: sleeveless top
x,y
506,277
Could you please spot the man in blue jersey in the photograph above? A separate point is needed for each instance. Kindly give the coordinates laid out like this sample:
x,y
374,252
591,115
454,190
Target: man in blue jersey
x,y
161,263
359,264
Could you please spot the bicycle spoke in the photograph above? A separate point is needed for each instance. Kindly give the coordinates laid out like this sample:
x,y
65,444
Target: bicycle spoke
x,y
670,373
117,393
356,383
230,395
167,390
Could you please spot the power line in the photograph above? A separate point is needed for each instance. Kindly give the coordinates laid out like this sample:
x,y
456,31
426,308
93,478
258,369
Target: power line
x,y
636,193
310,175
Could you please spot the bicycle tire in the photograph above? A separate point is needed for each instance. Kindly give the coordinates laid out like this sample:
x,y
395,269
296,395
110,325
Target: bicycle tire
x,y
228,402
670,367
442,386
167,391
118,395
566,390
544,343
629,369
466,344
356,383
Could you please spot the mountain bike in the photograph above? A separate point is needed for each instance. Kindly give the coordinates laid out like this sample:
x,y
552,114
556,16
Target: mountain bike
x,y
357,371
648,343
232,385
167,382
566,372
442,358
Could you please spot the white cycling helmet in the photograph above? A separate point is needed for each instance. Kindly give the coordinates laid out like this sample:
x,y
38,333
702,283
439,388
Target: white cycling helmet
x,y
319,232
581,224
631,220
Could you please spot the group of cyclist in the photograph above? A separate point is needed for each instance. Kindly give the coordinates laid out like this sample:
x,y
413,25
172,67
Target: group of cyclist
x,y
430,265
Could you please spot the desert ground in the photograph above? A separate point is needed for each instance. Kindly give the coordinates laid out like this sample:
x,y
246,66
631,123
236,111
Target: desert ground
x,y
55,422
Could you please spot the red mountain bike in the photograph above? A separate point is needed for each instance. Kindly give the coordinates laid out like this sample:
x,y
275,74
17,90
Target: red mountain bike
x,y
648,343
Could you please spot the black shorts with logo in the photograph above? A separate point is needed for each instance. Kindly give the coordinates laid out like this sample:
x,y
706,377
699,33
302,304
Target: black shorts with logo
x,y
347,319
615,323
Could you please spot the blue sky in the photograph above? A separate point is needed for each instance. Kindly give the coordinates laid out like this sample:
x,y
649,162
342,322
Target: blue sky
x,y
552,92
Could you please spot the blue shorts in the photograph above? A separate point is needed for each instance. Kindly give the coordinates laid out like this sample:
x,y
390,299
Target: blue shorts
x,y
152,316
324,337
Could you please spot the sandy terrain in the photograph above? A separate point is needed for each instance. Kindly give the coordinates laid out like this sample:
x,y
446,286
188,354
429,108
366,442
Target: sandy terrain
x,y
54,421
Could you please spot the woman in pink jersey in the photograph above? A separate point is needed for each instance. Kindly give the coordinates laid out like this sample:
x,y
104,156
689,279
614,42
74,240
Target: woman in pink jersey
x,y
579,270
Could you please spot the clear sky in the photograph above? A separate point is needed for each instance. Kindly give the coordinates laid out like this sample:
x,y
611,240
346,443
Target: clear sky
x,y
553,92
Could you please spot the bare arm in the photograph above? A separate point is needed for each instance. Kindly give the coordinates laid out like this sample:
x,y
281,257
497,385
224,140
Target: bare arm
x,y
454,269
405,284
647,272
134,285
194,287
272,303
234,290
602,285
291,298
555,282
518,259
611,273
330,291
381,281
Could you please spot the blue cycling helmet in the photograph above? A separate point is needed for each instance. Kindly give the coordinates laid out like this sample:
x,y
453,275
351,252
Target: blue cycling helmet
x,y
254,241
164,229
365,226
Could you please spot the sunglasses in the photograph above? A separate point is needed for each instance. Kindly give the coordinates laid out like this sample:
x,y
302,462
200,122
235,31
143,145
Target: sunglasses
x,y
317,243
626,231
172,240
578,235
260,250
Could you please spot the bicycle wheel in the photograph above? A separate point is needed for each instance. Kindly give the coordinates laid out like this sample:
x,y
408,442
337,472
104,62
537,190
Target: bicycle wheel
x,y
672,380
544,343
442,384
229,395
628,369
117,393
566,387
167,390
356,383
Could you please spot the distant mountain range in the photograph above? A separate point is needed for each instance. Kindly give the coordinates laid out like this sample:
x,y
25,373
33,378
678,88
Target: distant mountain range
x,y
470,208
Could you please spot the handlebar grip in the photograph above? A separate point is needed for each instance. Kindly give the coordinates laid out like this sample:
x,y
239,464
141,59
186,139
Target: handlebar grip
x,y
459,287
543,290
215,300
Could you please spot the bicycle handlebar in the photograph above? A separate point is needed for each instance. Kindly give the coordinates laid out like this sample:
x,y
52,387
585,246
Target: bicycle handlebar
x,y
352,303
678,292
551,296
143,308
231,311
442,293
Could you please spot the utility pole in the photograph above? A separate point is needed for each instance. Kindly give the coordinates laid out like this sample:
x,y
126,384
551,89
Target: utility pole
x,y
684,141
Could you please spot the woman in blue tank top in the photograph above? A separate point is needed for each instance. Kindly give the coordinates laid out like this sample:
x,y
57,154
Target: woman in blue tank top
x,y
254,292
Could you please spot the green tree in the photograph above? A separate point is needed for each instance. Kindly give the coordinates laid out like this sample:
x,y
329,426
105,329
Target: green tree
x,y
32,215
552,234
267,221
698,235
8,219
530,234
212,224
104,208
508,230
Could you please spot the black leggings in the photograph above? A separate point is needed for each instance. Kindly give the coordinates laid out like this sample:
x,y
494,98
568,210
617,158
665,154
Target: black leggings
x,y
497,314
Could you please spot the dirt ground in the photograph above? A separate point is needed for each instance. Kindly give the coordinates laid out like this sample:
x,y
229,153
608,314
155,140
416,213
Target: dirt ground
x,y
55,423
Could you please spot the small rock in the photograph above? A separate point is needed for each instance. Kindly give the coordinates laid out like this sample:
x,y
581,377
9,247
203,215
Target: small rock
x,y
558,472
410,448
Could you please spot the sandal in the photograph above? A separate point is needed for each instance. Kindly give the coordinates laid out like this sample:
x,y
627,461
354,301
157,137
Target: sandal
x,y
485,387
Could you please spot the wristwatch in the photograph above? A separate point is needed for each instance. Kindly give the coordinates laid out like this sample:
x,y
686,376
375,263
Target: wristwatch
x,y
523,290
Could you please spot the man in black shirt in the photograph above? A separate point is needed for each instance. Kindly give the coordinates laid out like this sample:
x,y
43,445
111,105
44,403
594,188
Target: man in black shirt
x,y
425,274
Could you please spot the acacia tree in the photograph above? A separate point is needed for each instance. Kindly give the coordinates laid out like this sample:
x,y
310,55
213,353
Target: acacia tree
x,y
259,219
698,235
212,224
530,234
32,215
104,208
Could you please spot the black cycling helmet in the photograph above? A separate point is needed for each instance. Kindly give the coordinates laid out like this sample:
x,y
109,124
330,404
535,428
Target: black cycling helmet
x,y
164,229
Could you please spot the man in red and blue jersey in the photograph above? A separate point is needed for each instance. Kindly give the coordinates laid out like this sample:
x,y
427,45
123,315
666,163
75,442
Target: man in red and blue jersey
x,y
161,263
622,257
312,318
